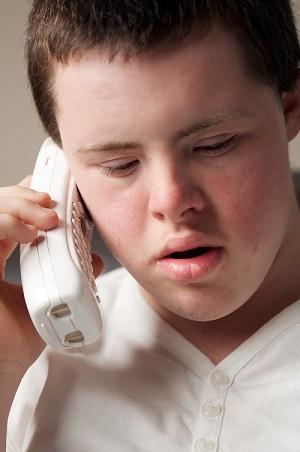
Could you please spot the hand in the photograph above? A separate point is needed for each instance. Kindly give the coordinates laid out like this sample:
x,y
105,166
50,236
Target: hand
x,y
22,213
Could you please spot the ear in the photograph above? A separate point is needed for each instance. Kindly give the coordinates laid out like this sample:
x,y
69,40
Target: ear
x,y
291,109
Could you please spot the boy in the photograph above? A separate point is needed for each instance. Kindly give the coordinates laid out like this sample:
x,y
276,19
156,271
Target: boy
x,y
175,121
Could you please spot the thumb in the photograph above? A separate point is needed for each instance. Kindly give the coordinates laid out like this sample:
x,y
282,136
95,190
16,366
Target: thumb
x,y
26,181
97,264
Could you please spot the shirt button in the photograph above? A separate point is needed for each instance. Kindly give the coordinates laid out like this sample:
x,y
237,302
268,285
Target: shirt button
x,y
211,409
219,378
204,445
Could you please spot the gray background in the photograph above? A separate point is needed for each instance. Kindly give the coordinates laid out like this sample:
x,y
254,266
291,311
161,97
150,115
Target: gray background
x,y
21,132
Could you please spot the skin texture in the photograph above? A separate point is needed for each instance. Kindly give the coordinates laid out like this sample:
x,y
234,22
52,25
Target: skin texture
x,y
241,200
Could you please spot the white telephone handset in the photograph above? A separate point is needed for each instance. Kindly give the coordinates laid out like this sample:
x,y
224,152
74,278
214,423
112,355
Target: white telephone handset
x,y
56,270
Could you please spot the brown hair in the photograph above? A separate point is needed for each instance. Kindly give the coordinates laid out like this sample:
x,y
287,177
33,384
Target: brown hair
x,y
57,29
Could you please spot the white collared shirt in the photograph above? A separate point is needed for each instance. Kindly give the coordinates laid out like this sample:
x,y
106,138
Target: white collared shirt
x,y
145,388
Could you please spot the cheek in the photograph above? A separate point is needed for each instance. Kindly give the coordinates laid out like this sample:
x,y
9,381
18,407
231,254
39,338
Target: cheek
x,y
252,201
119,216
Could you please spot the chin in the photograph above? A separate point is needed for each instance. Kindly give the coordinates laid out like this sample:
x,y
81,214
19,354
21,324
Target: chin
x,y
202,315
200,308
195,303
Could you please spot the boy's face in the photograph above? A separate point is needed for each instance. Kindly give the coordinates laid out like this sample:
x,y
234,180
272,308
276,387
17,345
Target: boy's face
x,y
189,151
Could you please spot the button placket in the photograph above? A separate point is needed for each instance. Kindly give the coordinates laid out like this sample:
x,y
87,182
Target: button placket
x,y
212,407
220,378
204,445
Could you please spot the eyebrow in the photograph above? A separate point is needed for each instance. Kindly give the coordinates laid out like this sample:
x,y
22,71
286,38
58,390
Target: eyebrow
x,y
204,124
213,122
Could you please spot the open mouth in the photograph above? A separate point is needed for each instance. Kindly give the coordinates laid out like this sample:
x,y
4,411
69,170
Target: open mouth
x,y
189,254
191,264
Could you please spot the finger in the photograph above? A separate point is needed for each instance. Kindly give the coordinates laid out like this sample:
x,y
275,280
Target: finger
x,y
7,247
18,191
26,181
97,264
26,211
14,230
15,233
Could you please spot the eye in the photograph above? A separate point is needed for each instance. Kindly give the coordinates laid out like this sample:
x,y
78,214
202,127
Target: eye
x,y
216,149
120,170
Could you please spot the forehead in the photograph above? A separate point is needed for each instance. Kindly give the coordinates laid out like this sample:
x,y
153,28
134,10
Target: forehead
x,y
201,75
194,56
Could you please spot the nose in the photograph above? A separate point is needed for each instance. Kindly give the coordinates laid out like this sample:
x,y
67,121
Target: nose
x,y
174,194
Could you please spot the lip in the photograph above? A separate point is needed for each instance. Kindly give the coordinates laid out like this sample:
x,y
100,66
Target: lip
x,y
192,269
